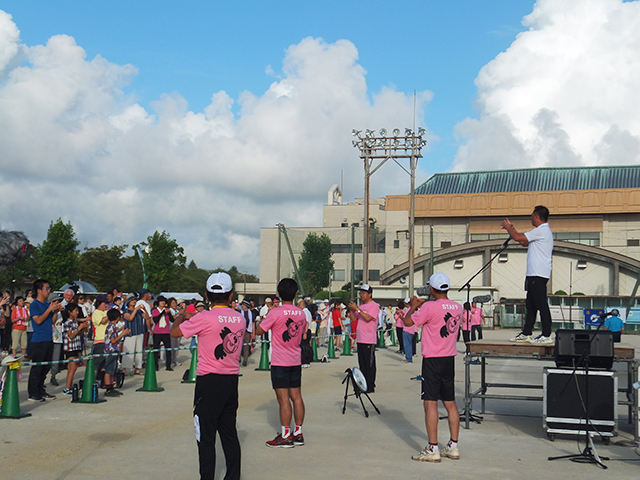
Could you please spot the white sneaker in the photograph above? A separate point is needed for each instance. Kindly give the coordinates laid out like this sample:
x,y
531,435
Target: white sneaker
x,y
521,338
452,453
542,340
427,456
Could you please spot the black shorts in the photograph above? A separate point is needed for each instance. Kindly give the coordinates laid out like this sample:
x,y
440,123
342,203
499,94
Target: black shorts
x,y
286,377
337,330
438,379
74,354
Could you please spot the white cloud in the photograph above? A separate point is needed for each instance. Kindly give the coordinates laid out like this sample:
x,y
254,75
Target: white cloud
x,y
75,146
564,93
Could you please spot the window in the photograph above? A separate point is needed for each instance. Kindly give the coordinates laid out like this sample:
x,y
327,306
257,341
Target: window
x,y
346,248
374,275
338,275
344,224
396,244
458,264
479,237
445,244
633,242
585,238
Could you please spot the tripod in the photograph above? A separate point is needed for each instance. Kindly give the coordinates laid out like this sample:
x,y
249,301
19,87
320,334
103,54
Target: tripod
x,y
589,454
357,391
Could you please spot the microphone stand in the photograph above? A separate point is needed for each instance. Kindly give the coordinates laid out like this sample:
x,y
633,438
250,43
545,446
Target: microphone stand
x,y
467,413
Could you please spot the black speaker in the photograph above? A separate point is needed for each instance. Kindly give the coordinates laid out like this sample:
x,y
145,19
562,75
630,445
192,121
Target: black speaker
x,y
572,344
565,399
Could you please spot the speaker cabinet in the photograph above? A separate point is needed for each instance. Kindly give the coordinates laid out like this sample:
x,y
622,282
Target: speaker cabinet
x,y
572,344
565,401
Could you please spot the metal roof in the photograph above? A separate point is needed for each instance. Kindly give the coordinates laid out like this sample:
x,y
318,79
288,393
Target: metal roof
x,y
533,180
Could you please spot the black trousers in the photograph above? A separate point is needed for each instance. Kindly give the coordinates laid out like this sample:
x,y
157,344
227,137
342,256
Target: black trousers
x,y
537,302
399,331
41,352
164,339
367,363
215,406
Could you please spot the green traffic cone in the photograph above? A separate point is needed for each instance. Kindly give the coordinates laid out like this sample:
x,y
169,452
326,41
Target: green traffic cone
x,y
314,346
393,337
264,358
10,399
192,369
332,349
150,383
87,385
346,351
381,343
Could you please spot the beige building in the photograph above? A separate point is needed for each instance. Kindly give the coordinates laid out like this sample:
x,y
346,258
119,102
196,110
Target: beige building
x,y
595,218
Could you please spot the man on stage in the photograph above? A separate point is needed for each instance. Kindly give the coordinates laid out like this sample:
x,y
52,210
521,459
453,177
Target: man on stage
x,y
367,317
441,319
540,248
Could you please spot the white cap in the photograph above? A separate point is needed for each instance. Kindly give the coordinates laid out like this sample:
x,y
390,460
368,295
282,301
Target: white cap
x,y
219,283
439,281
366,288
407,300
268,300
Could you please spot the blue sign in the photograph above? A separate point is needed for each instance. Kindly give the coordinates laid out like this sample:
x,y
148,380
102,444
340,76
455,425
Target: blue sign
x,y
592,317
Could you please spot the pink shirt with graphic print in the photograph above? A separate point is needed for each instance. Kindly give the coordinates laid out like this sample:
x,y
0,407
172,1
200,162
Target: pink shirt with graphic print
x,y
220,332
367,331
287,324
441,320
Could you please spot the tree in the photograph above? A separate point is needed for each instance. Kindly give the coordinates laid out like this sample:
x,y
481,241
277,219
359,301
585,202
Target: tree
x,y
26,268
103,266
59,258
162,262
132,278
315,263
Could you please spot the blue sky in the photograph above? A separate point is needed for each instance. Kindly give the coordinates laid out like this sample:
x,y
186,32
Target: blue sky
x,y
199,47
211,120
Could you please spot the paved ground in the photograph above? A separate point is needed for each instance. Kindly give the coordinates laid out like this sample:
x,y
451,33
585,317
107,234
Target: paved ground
x,y
150,435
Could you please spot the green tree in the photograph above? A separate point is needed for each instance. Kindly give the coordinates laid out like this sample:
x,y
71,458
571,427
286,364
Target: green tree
x,y
103,266
162,262
26,269
132,278
315,263
59,258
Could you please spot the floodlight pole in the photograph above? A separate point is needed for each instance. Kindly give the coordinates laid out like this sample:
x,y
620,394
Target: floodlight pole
x,y
385,148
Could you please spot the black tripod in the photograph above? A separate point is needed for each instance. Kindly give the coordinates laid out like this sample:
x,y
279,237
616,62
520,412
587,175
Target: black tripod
x,y
357,391
467,413
589,454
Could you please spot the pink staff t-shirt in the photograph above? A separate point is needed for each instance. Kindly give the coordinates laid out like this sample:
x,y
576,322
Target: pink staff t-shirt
x,y
220,332
367,330
476,316
287,324
412,329
441,320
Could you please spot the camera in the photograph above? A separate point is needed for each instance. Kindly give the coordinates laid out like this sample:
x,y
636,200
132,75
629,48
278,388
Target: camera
x,y
423,291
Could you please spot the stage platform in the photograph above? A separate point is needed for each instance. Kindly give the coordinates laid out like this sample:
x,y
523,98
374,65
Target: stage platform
x,y
482,350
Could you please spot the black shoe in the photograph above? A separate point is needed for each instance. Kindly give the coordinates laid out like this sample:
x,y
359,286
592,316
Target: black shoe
x,y
169,369
54,382
244,363
46,395
36,399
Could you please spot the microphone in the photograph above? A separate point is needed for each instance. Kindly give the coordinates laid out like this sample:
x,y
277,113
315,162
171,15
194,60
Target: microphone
x,y
506,242
605,315
482,299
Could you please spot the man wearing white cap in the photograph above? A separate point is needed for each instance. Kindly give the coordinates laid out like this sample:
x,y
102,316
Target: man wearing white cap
x,y
440,319
220,333
367,317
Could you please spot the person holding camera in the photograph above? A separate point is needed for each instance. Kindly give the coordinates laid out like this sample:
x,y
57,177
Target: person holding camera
x,y
440,319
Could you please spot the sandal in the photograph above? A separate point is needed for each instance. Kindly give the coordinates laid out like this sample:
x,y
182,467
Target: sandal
x,y
137,372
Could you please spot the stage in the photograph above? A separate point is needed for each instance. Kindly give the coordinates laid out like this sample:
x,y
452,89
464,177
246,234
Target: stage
x,y
484,350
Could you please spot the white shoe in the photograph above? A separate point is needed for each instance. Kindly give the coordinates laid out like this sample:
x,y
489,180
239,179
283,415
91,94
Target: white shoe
x,y
452,453
521,338
427,456
542,340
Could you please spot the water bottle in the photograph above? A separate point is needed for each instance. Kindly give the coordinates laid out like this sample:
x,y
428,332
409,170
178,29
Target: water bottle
x,y
74,393
94,396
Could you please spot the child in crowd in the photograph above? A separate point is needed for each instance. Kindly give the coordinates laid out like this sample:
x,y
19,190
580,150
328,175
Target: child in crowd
x,y
72,332
112,345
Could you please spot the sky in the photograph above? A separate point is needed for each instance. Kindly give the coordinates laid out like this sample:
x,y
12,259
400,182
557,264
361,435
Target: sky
x,y
210,120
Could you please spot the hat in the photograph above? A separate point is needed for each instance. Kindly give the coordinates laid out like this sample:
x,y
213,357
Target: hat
x,y
129,298
326,300
439,281
199,304
245,302
143,291
407,300
102,299
268,300
219,283
366,288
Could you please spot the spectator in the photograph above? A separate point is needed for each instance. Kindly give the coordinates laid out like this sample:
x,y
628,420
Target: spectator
x,y
248,333
134,341
100,321
338,323
162,320
73,331
5,323
112,346
19,318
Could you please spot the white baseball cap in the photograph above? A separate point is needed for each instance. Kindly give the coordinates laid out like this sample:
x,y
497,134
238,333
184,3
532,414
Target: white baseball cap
x,y
366,288
219,283
439,281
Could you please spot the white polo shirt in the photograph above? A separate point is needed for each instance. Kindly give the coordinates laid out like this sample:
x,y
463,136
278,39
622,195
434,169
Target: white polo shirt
x,y
540,251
